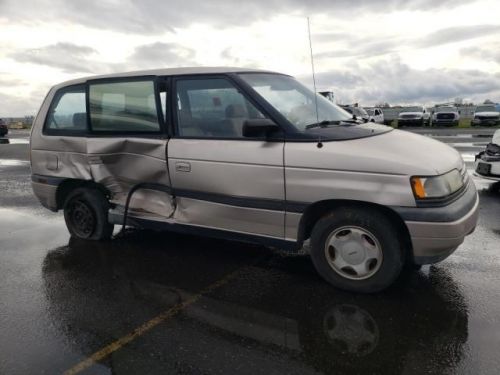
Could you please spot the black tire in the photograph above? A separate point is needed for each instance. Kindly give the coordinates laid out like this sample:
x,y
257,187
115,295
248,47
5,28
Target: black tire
x,y
380,227
86,214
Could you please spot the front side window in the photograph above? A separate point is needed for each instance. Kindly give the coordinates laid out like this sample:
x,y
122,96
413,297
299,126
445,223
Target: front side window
x,y
212,108
67,113
128,107
302,107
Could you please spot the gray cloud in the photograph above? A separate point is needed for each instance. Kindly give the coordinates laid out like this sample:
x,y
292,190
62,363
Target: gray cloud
x,y
230,56
356,46
363,47
397,83
71,58
67,57
17,106
150,16
487,52
457,34
161,54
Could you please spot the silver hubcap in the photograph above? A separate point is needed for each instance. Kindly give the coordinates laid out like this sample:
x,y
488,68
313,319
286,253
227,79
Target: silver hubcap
x,y
353,252
351,329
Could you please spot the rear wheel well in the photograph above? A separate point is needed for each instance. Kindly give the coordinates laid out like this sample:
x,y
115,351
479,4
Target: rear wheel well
x,y
70,184
319,209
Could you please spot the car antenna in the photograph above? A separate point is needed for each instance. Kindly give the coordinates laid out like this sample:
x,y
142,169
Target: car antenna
x,y
314,78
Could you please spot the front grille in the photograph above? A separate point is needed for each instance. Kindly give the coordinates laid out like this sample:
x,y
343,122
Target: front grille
x,y
408,116
445,116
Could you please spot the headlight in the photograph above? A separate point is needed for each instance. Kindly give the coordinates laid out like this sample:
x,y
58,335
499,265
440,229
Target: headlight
x,y
437,186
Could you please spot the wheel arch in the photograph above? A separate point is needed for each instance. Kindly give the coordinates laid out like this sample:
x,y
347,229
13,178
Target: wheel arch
x,y
317,210
70,184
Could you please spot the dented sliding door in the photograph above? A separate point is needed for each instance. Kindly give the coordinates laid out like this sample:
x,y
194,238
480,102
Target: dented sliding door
x,y
127,144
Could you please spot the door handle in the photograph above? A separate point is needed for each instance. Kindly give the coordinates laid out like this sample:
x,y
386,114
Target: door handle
x,y
182,166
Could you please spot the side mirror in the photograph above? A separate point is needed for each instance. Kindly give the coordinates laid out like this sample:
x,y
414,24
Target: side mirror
x,y
253,128
459,112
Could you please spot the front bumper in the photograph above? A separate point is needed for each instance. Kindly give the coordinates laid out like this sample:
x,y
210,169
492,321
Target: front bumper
x,y
438,231
447,122
410,122
485,122
489,169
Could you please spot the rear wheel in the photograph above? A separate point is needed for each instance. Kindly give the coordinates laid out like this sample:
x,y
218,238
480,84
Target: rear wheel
x,y
357,250
85,213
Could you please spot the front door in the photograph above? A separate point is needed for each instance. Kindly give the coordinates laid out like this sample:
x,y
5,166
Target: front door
x,y
221,179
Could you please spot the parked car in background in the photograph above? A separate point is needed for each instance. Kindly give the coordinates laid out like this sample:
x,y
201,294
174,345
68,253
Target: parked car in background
x,y
487,162
376,115
329,95
359,112
486,115
414,116
390,114
249,155
445,116
3,128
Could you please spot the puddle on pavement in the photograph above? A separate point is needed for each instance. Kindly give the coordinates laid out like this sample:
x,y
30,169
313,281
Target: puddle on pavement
x,y
451,135
13,163
280,305
467,144
14,141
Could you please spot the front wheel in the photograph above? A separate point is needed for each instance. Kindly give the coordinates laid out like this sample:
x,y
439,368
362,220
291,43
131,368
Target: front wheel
x,y
357,250
85,213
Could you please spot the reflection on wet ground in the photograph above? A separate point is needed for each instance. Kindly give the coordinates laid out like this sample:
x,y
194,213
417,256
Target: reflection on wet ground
x,y
13,163
275,314
14,141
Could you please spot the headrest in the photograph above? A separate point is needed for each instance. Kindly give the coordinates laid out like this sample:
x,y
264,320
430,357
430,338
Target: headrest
x,y
235,110
80,120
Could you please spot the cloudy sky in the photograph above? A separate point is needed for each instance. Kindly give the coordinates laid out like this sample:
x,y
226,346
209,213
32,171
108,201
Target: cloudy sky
x,y
368,51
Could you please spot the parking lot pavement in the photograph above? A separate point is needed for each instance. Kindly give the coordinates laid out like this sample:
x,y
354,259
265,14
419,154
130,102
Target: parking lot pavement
x,y
151,303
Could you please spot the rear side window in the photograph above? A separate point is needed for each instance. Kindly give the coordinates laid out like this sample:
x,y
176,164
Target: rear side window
x,y
67,113
123,107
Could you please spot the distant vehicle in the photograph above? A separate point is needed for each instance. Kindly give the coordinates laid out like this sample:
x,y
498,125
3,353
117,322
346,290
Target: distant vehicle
x,y
446,115
414,116
376,115
487,163
3,128
390,114
486,115
328,95
359,112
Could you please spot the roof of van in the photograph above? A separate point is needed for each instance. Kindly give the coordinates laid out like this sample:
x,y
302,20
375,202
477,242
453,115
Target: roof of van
x,y
166,72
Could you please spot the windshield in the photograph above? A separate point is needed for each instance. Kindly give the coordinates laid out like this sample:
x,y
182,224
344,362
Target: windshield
x,y
294,101
370,111
412,109
445,109
486,108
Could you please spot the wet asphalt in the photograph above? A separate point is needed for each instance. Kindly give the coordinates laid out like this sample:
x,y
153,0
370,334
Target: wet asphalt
x,y
170,303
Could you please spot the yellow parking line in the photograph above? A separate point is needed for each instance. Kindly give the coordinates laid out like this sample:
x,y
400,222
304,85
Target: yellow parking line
x,y
142,329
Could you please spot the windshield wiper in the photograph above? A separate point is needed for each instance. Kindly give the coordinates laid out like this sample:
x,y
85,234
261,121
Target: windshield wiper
x,y
322,124
326,123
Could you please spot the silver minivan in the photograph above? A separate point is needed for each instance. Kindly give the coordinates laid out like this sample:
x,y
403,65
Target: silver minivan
x,y
249,155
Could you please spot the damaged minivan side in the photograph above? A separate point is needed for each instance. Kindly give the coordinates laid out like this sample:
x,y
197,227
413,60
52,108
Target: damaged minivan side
x,y
249,155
